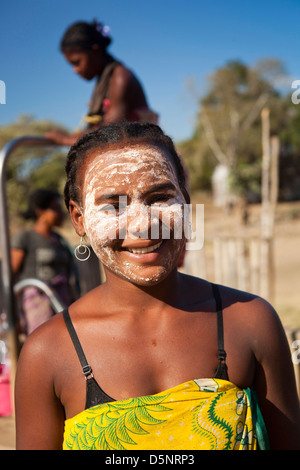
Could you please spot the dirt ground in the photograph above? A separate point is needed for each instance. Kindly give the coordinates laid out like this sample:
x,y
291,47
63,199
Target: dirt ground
x,y
7,433
218,222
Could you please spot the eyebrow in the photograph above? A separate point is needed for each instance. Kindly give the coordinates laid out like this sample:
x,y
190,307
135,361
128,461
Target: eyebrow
x,y
108,196
168,186
161,187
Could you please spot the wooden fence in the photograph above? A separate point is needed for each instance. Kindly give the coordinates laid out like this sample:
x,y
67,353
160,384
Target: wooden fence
x,y
245,263
293,336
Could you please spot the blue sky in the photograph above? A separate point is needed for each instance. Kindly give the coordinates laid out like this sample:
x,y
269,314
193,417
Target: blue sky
x,y
165,42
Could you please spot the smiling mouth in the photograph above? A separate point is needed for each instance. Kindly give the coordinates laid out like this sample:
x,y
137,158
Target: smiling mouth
x,y
142,251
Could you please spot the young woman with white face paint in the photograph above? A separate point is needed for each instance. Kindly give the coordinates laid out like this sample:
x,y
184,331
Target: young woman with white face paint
x,y
151,341
145,182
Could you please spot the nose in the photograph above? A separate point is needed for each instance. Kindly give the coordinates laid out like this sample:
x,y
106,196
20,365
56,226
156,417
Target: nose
x,y
139,234
139,222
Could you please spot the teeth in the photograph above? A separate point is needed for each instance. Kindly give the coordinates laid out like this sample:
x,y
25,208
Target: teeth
x,y
142,251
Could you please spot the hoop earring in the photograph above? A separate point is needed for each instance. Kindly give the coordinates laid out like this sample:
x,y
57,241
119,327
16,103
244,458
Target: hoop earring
x,y
82,252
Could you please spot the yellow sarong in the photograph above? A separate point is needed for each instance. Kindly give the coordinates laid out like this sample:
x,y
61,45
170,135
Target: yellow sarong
x,y
202,414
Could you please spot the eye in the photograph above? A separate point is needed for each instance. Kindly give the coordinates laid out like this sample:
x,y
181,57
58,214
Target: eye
x,y
74,63
108,207
114,208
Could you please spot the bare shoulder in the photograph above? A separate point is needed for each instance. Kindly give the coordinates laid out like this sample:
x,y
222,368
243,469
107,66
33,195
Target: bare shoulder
x,y
236,303
255,318
121,74
246,304
249,308
42,348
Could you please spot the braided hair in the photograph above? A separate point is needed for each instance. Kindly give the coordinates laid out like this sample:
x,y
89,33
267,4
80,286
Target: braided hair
x,y
126,133
83,36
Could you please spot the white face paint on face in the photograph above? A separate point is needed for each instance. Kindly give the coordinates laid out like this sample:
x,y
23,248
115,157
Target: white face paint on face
x,y
132,207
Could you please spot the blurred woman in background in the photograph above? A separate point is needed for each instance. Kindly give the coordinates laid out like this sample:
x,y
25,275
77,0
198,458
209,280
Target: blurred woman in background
x,y
118,95
43,254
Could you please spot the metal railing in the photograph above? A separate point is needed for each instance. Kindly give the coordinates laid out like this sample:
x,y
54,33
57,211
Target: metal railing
x,y
55,302
9,290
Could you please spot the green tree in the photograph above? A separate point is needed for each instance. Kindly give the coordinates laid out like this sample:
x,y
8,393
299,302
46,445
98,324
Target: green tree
x,y
29,168
228,130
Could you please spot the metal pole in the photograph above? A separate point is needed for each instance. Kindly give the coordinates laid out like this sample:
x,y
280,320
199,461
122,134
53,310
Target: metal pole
x,y
6,270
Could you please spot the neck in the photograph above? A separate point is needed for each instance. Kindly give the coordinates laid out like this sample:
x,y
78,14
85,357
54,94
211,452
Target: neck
x,y
105,60
42,228
143,298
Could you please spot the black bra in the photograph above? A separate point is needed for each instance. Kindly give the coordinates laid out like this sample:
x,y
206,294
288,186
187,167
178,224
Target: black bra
x,y
94,393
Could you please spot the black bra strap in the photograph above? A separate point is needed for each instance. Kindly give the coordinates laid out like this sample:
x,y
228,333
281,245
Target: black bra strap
x,y
221,372
219,309
86,368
